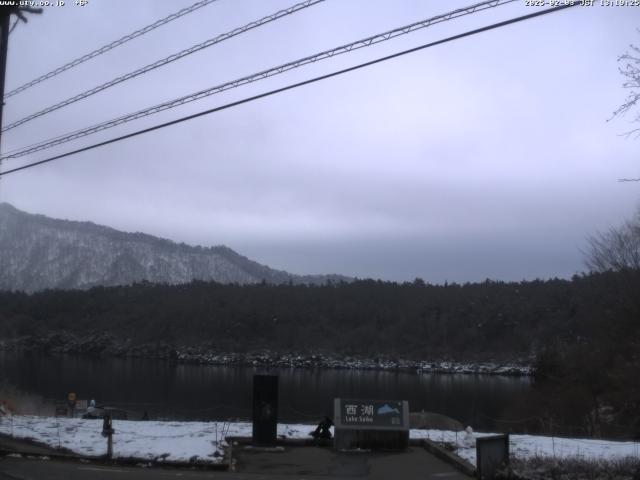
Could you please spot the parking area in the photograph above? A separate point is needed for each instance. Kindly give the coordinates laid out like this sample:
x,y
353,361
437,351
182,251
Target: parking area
x,y
311,462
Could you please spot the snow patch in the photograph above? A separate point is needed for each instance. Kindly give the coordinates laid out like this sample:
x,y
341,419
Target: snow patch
x,y
204,442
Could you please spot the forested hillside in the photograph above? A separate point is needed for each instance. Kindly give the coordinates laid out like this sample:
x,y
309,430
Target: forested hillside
x,y
365,317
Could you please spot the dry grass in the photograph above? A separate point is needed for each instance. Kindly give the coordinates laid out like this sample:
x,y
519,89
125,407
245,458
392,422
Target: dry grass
x,y
539,468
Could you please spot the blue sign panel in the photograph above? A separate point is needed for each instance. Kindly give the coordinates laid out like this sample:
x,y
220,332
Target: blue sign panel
x,y
371,413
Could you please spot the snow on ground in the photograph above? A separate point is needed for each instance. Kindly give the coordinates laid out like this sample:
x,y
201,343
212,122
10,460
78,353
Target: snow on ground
x,y
145,440
204,441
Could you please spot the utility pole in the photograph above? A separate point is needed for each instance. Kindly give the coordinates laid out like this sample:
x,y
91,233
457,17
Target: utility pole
x,y
5,13
5,20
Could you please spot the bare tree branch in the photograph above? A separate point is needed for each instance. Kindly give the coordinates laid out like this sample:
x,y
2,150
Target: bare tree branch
x,y
630,70
617,249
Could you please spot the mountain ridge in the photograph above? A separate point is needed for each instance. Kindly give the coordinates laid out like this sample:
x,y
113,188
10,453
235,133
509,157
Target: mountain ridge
x,y
39,252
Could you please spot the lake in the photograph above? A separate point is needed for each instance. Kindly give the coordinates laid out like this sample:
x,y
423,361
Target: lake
x,y
192,392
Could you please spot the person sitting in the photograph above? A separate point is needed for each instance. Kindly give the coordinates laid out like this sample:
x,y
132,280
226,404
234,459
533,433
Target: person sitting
x,y
322,430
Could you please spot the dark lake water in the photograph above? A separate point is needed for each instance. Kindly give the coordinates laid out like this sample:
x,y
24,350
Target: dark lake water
x,y
190,392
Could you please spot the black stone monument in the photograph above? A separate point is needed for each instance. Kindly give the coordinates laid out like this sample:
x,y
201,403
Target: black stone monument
x,y
265,409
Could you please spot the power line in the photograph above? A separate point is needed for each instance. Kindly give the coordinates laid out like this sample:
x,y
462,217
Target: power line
x,y
366,42
110,46
164,61
293,86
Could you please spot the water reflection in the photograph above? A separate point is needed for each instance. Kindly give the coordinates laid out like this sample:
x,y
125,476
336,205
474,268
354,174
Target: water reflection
x,y
193,392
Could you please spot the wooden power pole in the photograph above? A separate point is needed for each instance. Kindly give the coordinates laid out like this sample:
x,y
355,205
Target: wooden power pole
x,y
5,20
5,13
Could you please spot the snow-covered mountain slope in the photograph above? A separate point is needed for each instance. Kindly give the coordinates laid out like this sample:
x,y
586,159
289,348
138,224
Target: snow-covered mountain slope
x,y
38,252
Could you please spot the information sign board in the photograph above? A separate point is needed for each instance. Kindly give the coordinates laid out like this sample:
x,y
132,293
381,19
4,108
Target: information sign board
x,y
371,413
371,424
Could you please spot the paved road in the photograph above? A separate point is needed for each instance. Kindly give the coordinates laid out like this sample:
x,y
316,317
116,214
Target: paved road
x,y
296,463
37,469
314,462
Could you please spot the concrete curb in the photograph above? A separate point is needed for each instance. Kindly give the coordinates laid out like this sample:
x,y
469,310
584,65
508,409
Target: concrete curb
x,y
451,458
286,442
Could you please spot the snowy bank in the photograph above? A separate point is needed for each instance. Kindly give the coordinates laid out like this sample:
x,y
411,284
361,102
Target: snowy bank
x,y
204,442
531,446
66,343
170,441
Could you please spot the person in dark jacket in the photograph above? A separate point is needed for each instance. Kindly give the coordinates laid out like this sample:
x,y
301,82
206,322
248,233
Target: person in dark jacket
x,y
322,430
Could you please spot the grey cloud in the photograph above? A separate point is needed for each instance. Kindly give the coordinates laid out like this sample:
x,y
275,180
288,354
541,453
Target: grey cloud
x,y
486,157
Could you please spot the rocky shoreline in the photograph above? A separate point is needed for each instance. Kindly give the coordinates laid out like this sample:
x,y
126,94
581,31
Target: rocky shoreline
x,y
105,345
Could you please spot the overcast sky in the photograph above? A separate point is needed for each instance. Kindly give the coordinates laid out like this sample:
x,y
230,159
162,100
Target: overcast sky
x,y
487,157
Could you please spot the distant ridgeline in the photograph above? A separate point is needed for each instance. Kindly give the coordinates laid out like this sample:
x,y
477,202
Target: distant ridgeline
x,y
37,253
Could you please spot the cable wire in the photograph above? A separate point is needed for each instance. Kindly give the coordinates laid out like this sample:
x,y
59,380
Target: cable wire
x,y
165,61
110,46
366,42
293,86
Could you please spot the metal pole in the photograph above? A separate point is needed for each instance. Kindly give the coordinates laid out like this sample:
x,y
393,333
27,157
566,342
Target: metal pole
x,y
110,445
107,431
